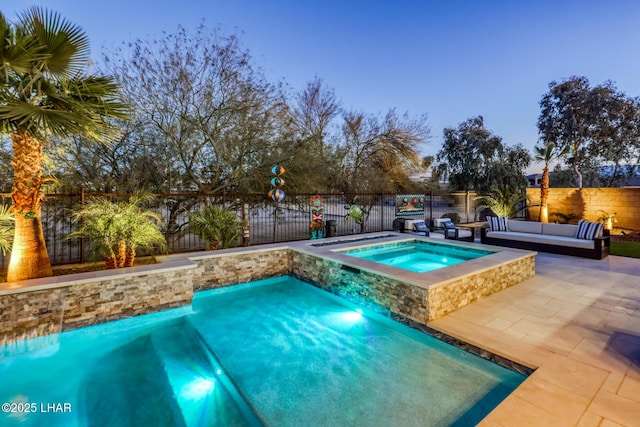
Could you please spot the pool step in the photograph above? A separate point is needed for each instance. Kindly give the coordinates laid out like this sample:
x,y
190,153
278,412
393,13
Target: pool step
x,y
205,394
128,387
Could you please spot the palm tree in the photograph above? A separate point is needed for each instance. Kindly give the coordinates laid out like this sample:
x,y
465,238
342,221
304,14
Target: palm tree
x,y
118,230
503,202
546,153
216,225
45,92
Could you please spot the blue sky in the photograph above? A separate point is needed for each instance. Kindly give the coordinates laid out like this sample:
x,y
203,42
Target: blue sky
x,y
449,59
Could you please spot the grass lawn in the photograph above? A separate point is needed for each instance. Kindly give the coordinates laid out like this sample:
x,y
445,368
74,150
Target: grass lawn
x,y
630,249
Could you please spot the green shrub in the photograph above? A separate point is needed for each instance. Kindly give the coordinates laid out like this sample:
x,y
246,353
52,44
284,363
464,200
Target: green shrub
x,y
218,226
118,230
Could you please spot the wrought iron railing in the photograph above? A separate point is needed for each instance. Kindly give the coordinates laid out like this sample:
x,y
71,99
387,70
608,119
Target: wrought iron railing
x,y
267,221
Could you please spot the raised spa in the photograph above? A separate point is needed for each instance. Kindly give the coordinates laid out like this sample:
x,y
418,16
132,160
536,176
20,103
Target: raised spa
x,y
418,256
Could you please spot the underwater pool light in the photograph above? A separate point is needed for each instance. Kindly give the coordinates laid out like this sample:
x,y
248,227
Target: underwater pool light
x,y
197,389
352,316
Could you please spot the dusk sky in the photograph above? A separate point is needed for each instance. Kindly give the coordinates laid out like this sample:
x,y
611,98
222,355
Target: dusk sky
x,y
449,59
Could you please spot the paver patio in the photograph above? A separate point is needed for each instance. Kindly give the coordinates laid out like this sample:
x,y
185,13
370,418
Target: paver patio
x,y
578,323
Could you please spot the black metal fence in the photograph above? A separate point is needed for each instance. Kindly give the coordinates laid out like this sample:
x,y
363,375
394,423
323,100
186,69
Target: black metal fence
x,y
267,221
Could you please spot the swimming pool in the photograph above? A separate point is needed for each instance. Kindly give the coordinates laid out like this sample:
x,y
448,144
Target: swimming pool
x,y
277,351
418,256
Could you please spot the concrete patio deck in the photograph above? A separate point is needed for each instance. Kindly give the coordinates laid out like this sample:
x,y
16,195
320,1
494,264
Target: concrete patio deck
x,y
578,323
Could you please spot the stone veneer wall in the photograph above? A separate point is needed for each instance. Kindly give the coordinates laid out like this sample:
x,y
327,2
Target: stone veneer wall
x,y
421,304
451,296
64,306
591,204
391,294
28,314
217,271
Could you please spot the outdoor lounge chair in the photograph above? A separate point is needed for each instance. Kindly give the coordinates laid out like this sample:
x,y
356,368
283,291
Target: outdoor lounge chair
x,y
455,233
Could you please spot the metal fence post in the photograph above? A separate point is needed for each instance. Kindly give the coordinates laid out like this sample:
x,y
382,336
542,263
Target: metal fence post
x,y
82,260
381,202
246,227
430,208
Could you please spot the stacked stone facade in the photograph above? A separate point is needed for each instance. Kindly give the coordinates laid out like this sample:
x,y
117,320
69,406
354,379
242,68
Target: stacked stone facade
x,y
49,306
214,271
415,302
26,313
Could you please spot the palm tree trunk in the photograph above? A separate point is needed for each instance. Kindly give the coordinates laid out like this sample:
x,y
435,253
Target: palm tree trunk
x,y
110,262
544,195
122,254
577,173
130,257
29,256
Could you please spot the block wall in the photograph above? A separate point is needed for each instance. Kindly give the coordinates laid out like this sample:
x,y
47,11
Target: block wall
x,y
591,204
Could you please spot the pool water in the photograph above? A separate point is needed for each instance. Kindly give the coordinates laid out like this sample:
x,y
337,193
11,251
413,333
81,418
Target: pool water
x,y
275,352
417,256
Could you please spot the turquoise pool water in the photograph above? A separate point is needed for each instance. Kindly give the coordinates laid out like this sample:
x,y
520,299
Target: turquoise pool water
x,y
278,352
418,256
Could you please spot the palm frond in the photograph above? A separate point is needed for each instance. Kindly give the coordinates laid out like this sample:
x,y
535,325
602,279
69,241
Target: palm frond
x,y
6,228
503,202
107,224
216,224
42,89
65,44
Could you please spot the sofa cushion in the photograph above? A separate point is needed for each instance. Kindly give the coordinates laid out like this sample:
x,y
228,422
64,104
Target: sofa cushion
x,y
462,234
567,230
526,227
571,242
497,223
589,230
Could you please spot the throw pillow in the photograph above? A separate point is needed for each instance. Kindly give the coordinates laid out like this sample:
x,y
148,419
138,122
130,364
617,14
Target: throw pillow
x,y
449,225
497,223
420,226
589,230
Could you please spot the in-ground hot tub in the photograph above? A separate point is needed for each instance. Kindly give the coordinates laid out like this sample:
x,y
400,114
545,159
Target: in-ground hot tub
x,y
418,256
354,271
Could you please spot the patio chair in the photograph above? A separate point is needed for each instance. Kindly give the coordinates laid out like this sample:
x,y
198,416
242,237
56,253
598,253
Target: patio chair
x,y
455,233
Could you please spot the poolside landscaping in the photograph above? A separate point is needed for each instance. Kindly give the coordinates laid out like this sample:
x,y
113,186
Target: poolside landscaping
x,y
627,245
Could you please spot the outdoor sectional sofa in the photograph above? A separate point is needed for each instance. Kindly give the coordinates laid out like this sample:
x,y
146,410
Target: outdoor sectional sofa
x,y
547,237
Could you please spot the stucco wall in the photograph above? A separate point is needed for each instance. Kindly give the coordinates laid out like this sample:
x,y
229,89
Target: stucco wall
x,y
591,204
